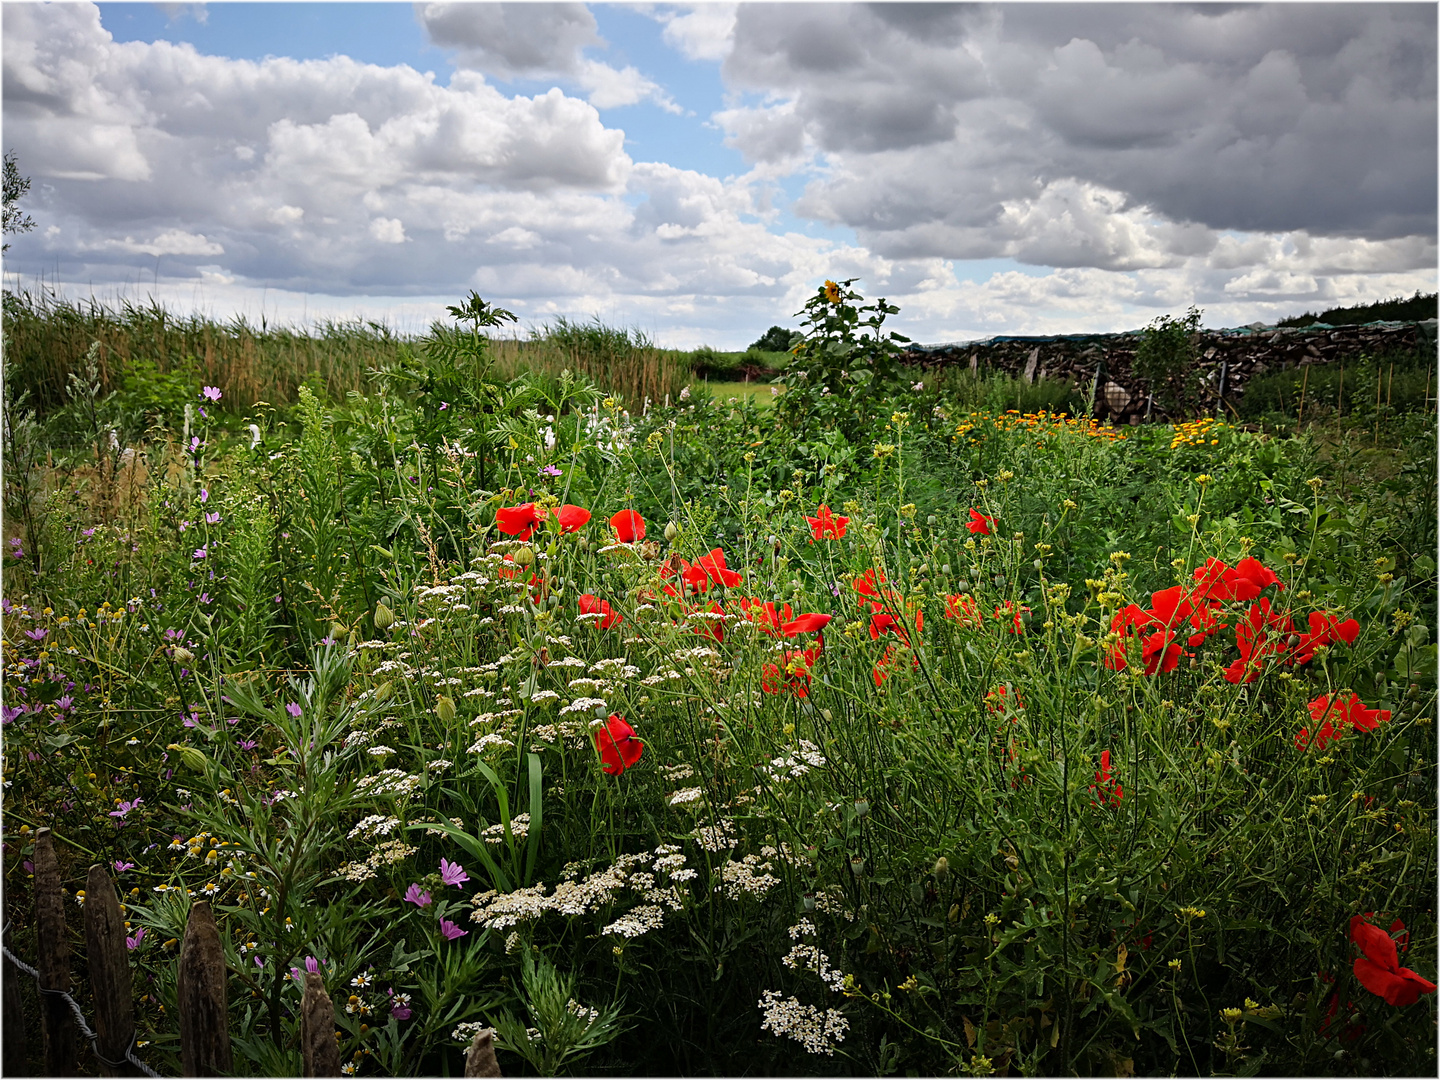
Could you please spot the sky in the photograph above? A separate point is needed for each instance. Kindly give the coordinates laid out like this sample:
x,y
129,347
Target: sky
x,y
697,171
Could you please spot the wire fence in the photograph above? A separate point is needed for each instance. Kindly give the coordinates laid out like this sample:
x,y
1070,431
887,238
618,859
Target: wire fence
x,y
84,1027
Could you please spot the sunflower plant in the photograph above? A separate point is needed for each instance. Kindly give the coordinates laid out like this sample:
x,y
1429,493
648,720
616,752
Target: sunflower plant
x,y
846,362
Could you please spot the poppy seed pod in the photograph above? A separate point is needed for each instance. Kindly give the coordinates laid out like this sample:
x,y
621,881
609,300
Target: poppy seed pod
x,y
445,709
384,617
524,557
671,531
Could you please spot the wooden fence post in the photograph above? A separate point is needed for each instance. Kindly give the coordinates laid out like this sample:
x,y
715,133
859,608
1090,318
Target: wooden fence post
x,y
15,1042
109,972
480,1058
319,1051
57,1022
201,997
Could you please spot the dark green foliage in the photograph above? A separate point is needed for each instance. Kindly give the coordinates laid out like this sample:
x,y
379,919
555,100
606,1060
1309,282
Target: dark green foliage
x,y
1166,359
1418,307
776,339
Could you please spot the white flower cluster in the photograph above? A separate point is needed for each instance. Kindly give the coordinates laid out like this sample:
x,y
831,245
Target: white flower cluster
x,y
715,837
466,1032
747,877
388,853
372,826
818,1032
637,921
585,1013
676,773
794,765
686,795
810,958
573,897
584,704
486,741
519,828
542,696
388,782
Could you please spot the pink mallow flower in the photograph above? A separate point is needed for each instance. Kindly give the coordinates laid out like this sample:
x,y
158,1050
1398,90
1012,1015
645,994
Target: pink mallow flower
x,y
453,873
417,896
451,931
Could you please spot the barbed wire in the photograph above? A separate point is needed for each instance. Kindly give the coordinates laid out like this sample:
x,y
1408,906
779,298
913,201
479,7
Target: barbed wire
x,y
80,1018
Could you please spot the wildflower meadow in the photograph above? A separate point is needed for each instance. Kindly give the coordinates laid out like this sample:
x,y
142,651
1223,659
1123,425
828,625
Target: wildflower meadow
x,y
857,728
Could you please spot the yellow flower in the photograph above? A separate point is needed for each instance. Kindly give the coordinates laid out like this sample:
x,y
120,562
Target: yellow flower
x,y
832,292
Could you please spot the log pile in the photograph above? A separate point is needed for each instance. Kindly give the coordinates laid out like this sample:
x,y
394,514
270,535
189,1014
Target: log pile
x,y
1228,357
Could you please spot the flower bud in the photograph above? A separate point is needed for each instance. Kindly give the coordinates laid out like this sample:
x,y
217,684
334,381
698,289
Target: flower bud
x,y
942,869
445,709
384,690
524,557
384,617
671,531
183,655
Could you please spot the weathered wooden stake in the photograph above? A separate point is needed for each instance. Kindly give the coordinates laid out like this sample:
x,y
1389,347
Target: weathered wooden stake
x,y
480,1058
57,1022
105,954
318,1048
200,995
15,1042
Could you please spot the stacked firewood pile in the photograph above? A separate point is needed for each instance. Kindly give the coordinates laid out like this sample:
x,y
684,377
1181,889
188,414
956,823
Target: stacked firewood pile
x,y
1103,364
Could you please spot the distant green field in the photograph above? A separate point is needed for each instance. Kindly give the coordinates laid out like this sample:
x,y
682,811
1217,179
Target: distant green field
x,y
760,391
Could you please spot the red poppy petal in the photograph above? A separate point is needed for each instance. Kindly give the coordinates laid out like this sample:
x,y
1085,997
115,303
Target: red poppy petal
x,y
1375,944
805,624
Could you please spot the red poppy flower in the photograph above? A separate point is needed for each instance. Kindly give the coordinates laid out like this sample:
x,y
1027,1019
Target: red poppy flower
x,y
1249,578
518,521
1260,633
1160,652
979,524
810,622
713,566
1210,583
1324,630
618,746
1354,713
1008,612
1106,787
964,610
571,517
827,523
792,674
715,627
592,605
766,616
1379,970
628,526
1000,700
870,590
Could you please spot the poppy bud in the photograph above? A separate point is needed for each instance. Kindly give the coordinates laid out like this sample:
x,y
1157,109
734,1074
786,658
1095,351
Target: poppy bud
x,y
384,690
183,655
445,709
337,630
931,520
524,557
671,531
384,617
942,869
945,569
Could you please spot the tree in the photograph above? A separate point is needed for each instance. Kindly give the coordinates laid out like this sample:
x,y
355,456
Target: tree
x,y
16,186
776,339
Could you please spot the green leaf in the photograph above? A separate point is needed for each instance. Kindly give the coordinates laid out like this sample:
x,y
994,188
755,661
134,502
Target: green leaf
x,y
537,811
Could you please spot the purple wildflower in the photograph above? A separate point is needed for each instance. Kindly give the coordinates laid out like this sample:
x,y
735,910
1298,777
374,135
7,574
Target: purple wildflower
x,y
451,931
417,896
453,873
210,393
293,709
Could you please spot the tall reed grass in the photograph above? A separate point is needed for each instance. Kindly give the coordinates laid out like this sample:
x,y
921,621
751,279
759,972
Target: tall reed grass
x,y
47,337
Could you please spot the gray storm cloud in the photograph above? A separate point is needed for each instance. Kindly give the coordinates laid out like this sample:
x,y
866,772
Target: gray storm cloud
x,y
936,117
